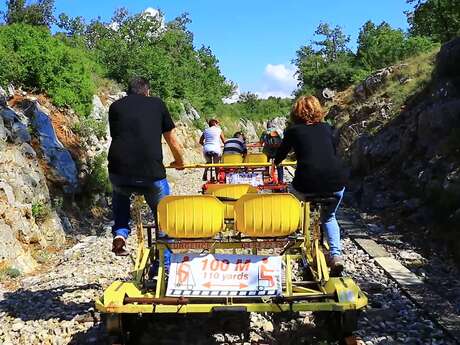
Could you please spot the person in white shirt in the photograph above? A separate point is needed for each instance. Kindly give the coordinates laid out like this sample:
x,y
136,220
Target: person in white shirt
x,y
212,140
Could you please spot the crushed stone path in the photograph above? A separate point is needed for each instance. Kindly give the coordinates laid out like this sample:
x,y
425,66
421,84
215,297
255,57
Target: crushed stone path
x,y
55,306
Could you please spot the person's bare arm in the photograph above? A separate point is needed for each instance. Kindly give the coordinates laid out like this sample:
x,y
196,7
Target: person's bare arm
x,y
202,139
176,149
222,138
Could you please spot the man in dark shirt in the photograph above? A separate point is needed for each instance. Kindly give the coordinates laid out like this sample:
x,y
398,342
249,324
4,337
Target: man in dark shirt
x,y
137,123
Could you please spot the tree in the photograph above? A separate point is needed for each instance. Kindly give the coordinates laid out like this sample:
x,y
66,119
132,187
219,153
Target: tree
x,y
326,62
164,53
39,13
380,46
437,19
334,42
249,101
73,26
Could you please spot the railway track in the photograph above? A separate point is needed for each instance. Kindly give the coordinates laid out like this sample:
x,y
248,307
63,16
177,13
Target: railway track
x,y
55,306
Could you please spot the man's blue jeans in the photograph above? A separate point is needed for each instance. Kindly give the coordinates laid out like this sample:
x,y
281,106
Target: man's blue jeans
x,y
123,187
329,222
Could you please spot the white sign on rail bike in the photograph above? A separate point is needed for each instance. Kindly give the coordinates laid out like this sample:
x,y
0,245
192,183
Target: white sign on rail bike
x,y
254,179
223,275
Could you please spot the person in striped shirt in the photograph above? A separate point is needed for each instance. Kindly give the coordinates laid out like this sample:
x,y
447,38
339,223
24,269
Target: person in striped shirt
x,y
236,145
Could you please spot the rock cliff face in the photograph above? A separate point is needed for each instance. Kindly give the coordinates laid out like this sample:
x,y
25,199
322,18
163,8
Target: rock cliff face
x,y
409,164
23,196
43,148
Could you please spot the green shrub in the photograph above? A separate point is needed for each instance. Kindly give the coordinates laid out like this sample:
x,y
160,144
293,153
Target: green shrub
x,y
175,107
31,57
86,127
98,179
10,272
40,211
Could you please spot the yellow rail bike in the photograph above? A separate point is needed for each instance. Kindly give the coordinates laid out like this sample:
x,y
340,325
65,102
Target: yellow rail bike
x,y
232,249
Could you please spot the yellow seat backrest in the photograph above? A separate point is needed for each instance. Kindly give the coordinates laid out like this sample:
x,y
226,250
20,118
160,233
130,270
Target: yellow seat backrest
x,y
268,215
191,216
256,158
232,158
231,191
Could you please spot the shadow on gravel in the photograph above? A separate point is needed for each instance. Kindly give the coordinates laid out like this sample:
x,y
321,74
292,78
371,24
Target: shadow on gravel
x,y
220,329
50,303
94,335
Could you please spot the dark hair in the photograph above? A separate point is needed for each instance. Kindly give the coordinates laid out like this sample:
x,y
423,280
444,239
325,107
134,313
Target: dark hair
x,y
138,86
212,122
238,134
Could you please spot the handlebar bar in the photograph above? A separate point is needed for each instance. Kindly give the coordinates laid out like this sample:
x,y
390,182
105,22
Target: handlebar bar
x,y
233,165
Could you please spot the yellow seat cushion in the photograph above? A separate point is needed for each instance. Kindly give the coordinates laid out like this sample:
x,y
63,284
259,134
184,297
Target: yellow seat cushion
x,y
232,158
191,216
231,191
268,215
256,158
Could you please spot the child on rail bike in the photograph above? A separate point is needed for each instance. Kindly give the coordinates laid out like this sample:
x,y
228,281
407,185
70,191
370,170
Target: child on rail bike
x,y
271,141
319,170
212,140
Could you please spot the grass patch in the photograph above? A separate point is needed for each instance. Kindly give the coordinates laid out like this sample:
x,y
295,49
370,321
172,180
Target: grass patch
x,y
40,211
9,272
412,77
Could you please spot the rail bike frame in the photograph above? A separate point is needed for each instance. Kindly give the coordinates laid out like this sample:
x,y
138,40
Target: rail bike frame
x,y
319,292
271,182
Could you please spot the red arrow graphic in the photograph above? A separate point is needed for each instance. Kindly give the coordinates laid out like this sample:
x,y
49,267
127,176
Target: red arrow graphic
x,y
208,285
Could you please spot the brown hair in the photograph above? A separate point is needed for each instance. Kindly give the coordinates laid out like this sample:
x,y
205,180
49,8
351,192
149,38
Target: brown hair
x,y
308,110
213,122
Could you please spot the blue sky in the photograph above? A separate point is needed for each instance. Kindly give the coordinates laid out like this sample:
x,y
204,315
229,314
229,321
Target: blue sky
x,y
255,40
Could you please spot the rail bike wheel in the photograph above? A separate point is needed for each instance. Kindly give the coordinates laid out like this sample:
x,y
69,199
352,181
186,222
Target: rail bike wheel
x,y
118,328
337,325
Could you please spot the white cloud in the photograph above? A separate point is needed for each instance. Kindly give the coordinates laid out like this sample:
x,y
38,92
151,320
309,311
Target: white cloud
x,y
233,98
267,94
114,26
152,12
281,73
278,81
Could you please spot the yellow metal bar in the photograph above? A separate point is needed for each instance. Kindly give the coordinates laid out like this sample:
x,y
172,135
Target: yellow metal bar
x,y
297,288
250,244
288,270
348,297
233,165
323,266
142,263
306,232
250,307
161,271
